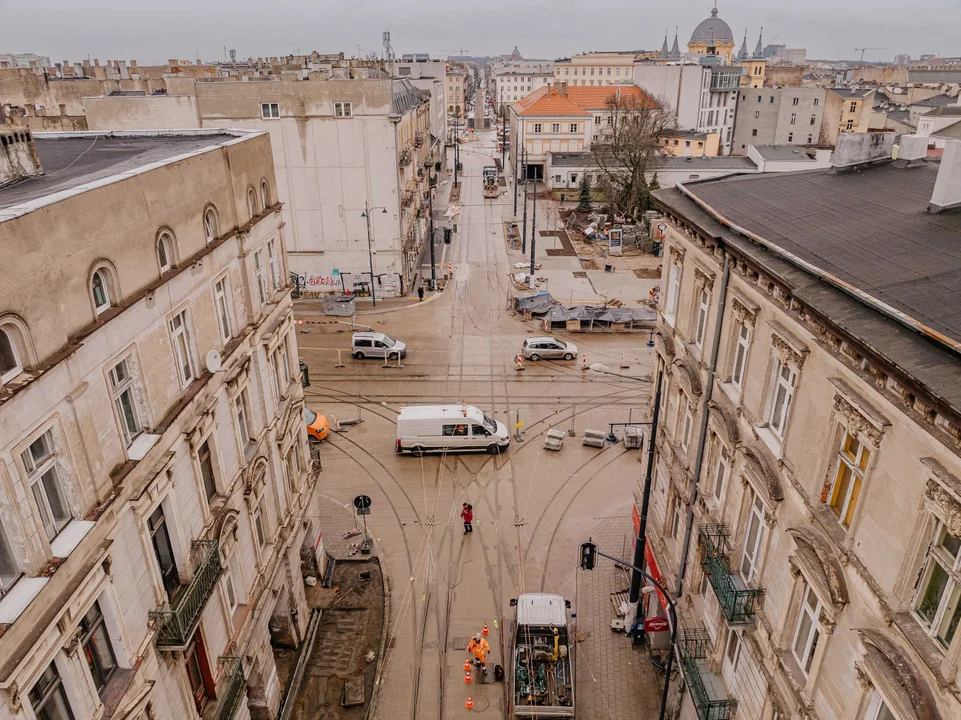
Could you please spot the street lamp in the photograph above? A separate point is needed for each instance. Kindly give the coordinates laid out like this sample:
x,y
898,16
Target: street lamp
x,y
588,553
640,545
370,248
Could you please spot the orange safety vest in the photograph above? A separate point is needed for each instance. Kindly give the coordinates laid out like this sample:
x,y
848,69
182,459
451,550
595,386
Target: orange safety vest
x,y
480,649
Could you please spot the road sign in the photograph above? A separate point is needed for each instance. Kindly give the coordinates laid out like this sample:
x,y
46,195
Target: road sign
x,y
335,272
656,624
661,230
362,502
363,511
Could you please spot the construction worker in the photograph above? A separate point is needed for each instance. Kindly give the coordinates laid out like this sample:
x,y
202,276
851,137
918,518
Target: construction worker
x,y
479,646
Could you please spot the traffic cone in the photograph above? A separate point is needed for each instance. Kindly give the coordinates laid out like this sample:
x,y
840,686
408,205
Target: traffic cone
x,y
485,631
520,362
467,677
470,703
467,665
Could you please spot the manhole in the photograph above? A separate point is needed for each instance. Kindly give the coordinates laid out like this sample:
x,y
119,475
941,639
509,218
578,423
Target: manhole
x,y
580,274
481,703
458,643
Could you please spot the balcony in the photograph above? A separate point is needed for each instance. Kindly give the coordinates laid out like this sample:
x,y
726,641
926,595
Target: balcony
x,y
707,690
175,627
404,159
418,138
738,602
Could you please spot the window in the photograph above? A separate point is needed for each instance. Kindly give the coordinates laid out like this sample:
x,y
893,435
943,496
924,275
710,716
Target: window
x,y
937,606
261,273
592,71
10,364
757,114
47,697
231,584
342,110
243,417
122,393
794,118
282,366
808,631
733,648
555,127
700,326
198,672
181,340
573,127
101,292
810,139
740,354
537,127
771,100
222,308
854,107
878,709
265,194
790,137
720,471
597,119
292,467
617,71
163,551
759,98
677,522
795,101
96,647
42,464
784,379
752,538
165,252
754,132
849,125
259,524
273,260
206,461
813,119
841,495
817,101
673,288
211,229
269,111
687,426
251,203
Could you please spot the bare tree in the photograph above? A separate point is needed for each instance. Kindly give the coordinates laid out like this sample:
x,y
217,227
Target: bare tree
x,y
628,150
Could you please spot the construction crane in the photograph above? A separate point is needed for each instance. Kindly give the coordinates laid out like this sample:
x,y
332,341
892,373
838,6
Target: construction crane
x,y
868,48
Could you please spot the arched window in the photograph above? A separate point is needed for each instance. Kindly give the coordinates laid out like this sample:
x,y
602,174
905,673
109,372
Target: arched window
x,y
100,287
165,251
211,228
265,194
251,203
10,363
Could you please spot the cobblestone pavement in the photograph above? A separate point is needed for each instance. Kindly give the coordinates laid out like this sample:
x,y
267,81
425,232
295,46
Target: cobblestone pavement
x,y
532,506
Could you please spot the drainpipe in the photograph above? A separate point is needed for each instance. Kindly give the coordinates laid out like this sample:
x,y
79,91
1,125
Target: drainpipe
x,y
705,416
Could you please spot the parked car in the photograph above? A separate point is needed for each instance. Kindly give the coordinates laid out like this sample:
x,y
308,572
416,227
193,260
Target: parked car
x,y
376,345
317,426
536,348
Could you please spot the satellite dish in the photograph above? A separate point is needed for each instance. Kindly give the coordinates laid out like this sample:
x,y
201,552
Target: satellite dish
x,y
213,361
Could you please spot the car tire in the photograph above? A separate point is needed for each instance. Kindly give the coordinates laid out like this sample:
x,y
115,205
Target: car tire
x,y
568,356
535,357
358,355
493,449
417,451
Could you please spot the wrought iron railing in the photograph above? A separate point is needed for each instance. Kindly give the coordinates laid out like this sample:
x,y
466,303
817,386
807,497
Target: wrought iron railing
x,y
418,138
738,603
694,646
234,690
404,157
175,625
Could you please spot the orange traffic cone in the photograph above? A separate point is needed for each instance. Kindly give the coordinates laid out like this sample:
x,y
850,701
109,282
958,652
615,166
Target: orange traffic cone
x,y
485,631
467,665
470,703
467,677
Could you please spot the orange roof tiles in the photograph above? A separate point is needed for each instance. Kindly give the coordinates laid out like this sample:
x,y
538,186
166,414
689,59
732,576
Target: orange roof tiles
x,y
547,102
595,98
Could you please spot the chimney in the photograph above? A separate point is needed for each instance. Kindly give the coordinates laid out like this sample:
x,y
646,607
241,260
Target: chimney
x,y
561,88
947,188
855,150
911,150
18,155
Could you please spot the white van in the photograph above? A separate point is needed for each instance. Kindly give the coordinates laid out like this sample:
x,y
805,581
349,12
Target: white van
x,y
436,428
376,345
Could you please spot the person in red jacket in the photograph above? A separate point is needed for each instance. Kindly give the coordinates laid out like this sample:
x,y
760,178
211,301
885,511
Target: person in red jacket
x,y
467,514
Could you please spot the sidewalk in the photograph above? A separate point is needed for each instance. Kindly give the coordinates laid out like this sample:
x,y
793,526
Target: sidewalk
x,y
615,679
365,306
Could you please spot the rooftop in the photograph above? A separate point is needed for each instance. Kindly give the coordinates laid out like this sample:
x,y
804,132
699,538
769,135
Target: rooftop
x,y
946,111
952,131
785,153
595,98
937,101
547,102
869,229
76,161
851,92
666,162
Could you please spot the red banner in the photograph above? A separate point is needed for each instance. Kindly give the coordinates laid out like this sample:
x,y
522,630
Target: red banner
x,y
652,568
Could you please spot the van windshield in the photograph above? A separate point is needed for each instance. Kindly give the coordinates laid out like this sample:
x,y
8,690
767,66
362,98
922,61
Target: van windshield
x,y
490,425
389,342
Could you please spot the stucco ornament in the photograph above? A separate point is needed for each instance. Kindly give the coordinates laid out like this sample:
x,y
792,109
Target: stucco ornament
x,y
855,423
765,473
786,353
817,554
898,669
703,280
950,509
676,253
743,313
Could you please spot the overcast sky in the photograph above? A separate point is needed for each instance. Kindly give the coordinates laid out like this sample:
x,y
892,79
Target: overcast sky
x,y
152,32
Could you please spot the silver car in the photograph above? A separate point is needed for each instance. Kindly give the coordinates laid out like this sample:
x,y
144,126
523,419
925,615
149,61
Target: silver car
x,y
536,348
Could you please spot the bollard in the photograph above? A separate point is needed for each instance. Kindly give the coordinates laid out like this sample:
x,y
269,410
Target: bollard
x,y
584,362
624,363
340,363
520,362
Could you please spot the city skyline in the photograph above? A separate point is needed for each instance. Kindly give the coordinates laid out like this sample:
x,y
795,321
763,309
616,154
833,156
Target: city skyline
x,y
185,30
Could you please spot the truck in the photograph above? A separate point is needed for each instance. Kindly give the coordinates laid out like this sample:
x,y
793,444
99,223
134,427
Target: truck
x,y
542,674
491,189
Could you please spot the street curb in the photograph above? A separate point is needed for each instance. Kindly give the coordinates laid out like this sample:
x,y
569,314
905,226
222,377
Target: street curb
x,y
384,636
374,311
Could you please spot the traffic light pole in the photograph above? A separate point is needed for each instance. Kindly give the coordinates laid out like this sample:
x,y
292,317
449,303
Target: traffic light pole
x,y
533,232
524,225
430,212
588,562
640,544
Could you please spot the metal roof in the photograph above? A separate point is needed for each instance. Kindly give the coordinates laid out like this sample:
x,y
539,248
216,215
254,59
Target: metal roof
x,y
712,30
540,610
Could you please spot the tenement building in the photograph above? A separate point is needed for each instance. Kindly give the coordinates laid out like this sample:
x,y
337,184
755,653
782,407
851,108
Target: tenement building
x,y
156,496
806,503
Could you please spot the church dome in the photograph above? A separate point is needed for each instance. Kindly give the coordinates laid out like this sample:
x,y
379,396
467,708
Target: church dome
x,y
713,29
